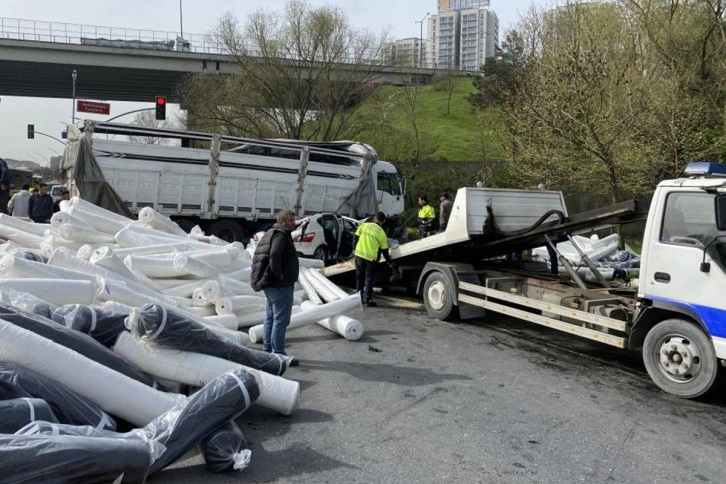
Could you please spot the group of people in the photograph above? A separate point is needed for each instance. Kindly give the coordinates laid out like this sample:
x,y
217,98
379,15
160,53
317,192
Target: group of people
x,y
33,203
426,214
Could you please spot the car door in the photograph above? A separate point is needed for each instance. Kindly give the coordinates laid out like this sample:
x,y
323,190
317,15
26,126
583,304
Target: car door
x,y
347,234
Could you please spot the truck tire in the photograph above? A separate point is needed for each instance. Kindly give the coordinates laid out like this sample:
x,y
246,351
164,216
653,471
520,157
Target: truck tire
x,y
227,230
184,224
680,358
439,297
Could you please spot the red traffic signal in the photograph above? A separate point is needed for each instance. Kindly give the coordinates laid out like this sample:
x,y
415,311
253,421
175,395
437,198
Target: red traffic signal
x,y
160,108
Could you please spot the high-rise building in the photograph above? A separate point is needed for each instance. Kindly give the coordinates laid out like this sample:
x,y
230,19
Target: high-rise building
x,y
404,53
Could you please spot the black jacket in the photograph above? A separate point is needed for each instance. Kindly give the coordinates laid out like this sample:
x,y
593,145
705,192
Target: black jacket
x,y
275,262
40,209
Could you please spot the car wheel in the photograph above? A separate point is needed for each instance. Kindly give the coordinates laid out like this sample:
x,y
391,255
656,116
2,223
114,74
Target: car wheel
x,y
322,253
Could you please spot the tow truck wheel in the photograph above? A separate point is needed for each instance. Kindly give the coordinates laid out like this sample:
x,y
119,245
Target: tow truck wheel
x,y
680,358
439,297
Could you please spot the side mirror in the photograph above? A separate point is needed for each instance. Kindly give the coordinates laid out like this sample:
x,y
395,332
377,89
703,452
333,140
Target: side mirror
x,y
720,209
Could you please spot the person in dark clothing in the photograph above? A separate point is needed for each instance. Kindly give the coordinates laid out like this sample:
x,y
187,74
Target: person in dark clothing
x,y
65,195
40,207
4,186
444,211
370,240
275,268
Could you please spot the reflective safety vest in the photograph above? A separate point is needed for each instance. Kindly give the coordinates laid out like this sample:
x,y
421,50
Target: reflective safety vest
x,y
371,238
427,211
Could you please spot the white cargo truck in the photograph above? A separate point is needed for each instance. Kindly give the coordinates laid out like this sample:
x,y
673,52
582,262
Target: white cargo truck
x,y
675,315
231,187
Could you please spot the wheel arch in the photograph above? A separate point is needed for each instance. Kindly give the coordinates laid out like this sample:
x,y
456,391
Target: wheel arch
x,y
660,311
451,271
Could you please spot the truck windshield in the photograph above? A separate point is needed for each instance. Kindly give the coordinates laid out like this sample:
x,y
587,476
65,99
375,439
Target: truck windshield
x,y
389,183
689,219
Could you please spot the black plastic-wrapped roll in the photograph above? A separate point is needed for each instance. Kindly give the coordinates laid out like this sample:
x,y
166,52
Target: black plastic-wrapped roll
x,y
31,256
78,342
99,323
19,412
19,382
72,459
225,449
185,425
156,324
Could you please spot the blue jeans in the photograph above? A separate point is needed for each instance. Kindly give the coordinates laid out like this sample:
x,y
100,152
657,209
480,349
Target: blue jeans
x,y
277,318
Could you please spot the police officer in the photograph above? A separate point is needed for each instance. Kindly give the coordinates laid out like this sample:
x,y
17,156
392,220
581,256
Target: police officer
x,y
370,238
426,215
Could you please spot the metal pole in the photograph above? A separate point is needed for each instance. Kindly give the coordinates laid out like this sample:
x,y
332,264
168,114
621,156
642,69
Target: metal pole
x,y
74,75
420,45
181,25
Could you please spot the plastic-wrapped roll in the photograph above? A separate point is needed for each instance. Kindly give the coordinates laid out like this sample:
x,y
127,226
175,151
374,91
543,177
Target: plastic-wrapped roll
x,y
321,289
16,413
308,287
231,335
211,290
116,393
312,314
18,224
131,236
220,257
155,324
18,268
59,219
201,312
242,275
198,298
183,290
114,290
101,224
153,266
80,204
55,291
54,239
230,286
219,401
104,257
228,321
20,237
253,319
197,369
187,265
99,323
65,458
226,450
79,342
153,218
67,406
86,251
347,327
240,304
155,249
311,263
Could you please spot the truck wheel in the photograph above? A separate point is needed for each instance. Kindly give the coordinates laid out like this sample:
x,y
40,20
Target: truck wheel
x,y
322,253
680,358
439,297
184,224
227,230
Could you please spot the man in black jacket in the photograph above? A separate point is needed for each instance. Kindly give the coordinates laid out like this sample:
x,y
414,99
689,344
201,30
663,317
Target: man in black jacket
x,y
275,269
4,186
40,207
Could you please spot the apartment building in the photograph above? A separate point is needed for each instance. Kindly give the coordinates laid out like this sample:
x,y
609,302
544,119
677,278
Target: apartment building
x,y
408,52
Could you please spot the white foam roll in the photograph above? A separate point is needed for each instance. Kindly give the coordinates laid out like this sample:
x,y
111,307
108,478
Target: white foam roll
x,y
151,217
187,265
61,218
82,205
239,304
232,335
20,237
242,275
211,290
114,392
228,321
198,298
321,289
78,233
345,326
104,257
115,290
304,281
86,251
154,249
28,227
15,267
243,254
313,313
311,263
200,312
317,275
183,290
55,291
220,257
152,266
130,236
258,317
195,369
233,287
102,224
64,205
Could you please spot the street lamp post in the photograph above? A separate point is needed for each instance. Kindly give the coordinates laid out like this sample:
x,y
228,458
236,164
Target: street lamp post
x,y
420,45
74,75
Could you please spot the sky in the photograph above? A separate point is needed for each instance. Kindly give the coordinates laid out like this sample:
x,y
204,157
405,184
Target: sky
x,y
198,17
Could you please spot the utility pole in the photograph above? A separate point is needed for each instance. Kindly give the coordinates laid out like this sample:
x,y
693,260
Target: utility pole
x,y
181,24
74,75
420,45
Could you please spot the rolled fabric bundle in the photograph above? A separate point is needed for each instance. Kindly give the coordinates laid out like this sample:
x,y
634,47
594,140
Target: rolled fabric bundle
x,y
55,458
115,290
76,203
197,369
201,312
153,218
308,287
86,251
220,257
68,407
347,327
321,289
78,233
312,314
101,324
231,335
253,319
104,257
32,304
81,343
155,324
187,265
154,249
153,266
242,275
219,401
55,291
115,393
226,450
20,237
240,304
19,268
59,219
243,254
184,290
18,412
328,283
228,321
18,224
131,236
230,286
198,298
32,256
211,290
311,263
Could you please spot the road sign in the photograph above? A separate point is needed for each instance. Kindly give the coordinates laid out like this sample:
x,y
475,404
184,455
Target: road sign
x,y
93,107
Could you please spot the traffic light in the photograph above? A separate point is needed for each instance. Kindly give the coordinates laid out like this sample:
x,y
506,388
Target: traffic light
x,y
160,108
31,131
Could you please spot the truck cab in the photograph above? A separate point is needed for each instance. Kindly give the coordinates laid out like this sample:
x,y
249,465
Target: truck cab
x,y
390,188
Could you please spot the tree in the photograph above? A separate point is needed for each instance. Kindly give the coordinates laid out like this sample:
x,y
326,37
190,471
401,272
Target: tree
x,y
147,119
446,82
301,73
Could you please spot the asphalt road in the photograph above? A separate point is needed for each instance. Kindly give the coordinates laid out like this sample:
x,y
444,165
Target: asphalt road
x,y
495,400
